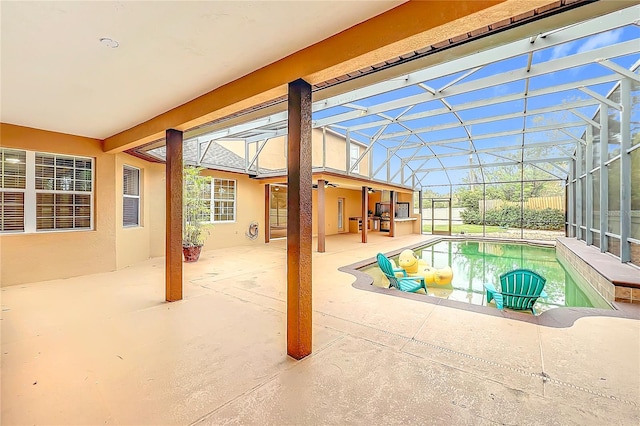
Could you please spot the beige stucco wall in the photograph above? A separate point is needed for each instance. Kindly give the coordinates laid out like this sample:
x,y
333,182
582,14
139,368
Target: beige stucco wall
x,y
134,244
406,198
249,208
352,204
373,199
51,255
273,155
415,226
237,147
155,188
336,152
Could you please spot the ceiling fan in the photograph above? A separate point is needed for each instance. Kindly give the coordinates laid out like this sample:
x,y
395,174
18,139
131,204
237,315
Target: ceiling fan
x,y
326,185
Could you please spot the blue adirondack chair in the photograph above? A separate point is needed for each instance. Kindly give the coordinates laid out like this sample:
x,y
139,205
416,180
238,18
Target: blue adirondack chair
x,y
520,289
404,283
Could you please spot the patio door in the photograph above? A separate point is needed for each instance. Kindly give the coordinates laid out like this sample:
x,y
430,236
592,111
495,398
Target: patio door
x,y
278,212
340,214
441,216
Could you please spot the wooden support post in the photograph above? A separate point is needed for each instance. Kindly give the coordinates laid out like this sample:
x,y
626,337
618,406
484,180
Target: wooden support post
x,y
321,216
365,213
299,221
392,214
173,249
267,213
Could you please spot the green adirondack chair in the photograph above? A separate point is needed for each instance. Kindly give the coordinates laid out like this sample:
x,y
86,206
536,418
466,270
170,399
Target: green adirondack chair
x,y
404,283
520,289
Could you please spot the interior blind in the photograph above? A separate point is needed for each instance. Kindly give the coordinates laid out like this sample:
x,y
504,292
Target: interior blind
x,y
12,209
131,197
131,211
63,211
131,183
13,172
63,198
13,168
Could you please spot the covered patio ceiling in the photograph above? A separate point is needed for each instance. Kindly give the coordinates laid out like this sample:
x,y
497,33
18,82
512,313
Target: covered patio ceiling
x,y
527,103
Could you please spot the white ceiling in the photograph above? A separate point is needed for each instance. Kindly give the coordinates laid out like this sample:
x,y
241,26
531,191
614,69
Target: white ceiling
x,y
56,75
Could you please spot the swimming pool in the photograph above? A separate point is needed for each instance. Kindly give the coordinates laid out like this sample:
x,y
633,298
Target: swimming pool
x,y
477,262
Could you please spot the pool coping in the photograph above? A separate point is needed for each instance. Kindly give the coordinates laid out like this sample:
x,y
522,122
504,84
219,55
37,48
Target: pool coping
x,y
560,317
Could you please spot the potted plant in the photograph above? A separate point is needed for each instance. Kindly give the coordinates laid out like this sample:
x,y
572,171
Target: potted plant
x,y
196,211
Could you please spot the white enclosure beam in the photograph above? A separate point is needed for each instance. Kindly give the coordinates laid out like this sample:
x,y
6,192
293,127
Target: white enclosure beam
x,y
601,98
625,170
556,65
589,186
517,48
618,69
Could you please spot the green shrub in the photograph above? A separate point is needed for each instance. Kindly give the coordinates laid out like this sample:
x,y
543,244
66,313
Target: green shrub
x,y
549,219
471,217
509,217
469,199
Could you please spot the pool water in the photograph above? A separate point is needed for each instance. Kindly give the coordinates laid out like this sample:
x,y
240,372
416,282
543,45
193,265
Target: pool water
x,y
477,262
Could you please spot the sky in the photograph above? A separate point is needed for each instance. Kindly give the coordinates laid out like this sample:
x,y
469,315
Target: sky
x,y
541,59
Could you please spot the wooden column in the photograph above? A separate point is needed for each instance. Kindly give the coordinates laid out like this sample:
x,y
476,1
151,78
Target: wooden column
x,y
267,212
299,221
321,216
392,214
365,213
173,249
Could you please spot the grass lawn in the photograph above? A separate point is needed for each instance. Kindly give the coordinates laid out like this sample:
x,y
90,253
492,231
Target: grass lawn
x,y
468,229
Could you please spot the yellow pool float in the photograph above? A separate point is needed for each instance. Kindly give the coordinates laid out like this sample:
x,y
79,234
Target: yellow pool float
x,y
416,267
443,276
410,262
428,273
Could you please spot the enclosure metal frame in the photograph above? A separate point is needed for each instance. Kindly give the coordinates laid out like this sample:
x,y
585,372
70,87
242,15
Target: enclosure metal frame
x,y
409,154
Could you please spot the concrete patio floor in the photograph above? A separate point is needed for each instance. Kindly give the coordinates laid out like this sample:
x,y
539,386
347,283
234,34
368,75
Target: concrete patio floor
x,y
107,349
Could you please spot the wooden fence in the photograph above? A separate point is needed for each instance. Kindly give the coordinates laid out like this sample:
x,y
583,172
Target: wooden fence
x,y
538,203
541,203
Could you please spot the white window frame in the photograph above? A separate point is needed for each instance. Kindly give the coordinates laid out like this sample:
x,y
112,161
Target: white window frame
x,y
354,160
30,195
213,199
17,191
137,224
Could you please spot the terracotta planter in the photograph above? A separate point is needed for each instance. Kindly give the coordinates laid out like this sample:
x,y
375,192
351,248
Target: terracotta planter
x,y
192,253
